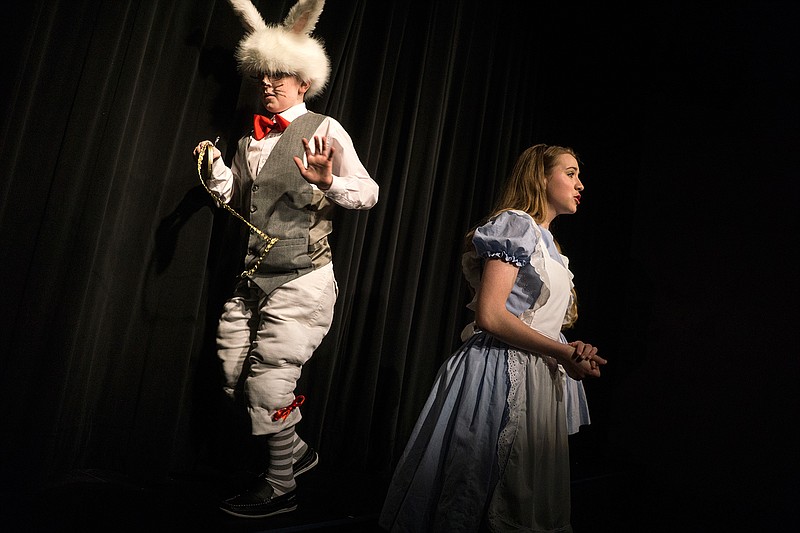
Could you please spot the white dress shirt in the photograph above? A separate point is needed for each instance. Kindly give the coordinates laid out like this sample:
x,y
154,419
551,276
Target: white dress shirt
x,y
352,186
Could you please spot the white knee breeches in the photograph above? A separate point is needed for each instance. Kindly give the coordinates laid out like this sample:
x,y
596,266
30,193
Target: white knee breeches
x,y
263,341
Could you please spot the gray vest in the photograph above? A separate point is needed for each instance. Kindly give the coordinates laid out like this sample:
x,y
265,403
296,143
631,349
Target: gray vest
x,y
284,205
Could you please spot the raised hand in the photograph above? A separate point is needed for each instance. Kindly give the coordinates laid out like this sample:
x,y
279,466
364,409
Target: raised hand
x,y
320,163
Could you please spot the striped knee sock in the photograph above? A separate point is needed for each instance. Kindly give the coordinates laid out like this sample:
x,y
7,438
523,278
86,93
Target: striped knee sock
x,y
279,473
300,447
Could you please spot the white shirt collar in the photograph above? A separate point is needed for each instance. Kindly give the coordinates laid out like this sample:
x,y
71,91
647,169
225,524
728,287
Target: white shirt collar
x,y
294,111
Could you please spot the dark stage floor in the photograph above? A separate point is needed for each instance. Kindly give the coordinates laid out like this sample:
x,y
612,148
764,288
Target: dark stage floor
x,y
618,499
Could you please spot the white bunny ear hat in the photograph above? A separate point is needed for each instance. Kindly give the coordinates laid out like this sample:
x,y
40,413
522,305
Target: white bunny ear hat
x,y
288,47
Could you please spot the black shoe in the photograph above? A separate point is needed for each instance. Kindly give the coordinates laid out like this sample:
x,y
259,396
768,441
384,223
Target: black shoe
x,y
259,502
308,461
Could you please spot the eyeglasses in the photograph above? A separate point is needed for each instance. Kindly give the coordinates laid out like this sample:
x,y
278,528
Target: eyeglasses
x,y
272,77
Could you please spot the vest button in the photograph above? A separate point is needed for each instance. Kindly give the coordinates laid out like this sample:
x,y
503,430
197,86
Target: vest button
x,y
255,188
253,209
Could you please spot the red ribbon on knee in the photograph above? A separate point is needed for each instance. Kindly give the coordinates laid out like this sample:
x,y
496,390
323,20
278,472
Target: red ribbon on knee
x,y
283,412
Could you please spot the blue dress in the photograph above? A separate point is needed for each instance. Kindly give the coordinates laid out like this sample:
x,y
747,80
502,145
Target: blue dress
x,y
490,446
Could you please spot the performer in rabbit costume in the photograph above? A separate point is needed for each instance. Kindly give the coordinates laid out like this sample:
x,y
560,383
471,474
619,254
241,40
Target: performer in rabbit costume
x,y
286,186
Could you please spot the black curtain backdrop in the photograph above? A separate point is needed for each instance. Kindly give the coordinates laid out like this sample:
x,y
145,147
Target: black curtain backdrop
x,y
115,261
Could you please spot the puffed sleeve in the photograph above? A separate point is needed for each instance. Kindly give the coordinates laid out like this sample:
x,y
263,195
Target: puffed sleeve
x,y
510,236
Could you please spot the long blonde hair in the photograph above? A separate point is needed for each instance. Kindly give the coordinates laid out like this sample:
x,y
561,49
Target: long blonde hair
x,y
526,190
526,187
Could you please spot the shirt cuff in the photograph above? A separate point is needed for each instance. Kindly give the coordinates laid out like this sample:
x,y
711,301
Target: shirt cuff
x,y
218,169
336,188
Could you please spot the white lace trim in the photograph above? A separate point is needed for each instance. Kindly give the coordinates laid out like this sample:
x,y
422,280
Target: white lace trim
x,y
516,368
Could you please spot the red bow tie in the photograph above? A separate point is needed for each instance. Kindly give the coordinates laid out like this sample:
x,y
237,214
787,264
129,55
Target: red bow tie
x,y
263,125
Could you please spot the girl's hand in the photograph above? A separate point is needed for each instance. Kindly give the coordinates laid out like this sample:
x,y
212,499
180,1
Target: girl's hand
x,y
584,361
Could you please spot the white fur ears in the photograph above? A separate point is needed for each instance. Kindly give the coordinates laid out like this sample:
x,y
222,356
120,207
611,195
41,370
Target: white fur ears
x,y
288,47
